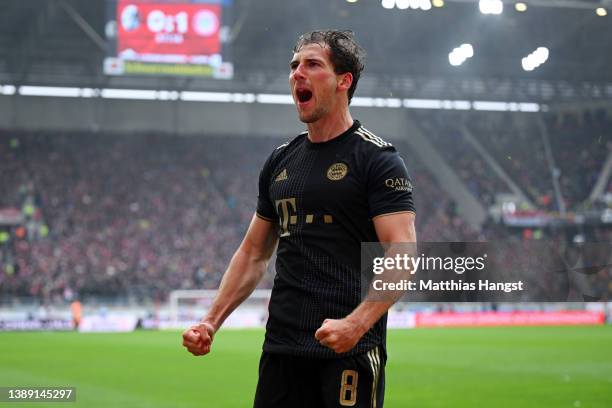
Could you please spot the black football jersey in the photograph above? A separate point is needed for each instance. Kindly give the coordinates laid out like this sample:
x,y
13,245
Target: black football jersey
x,y
323,197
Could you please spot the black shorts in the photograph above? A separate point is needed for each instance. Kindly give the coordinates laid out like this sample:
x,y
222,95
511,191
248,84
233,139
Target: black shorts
x,y
292,382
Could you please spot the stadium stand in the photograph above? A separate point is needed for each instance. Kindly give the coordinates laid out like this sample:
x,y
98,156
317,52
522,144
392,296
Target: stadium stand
x,y
580,143
443,130
141,214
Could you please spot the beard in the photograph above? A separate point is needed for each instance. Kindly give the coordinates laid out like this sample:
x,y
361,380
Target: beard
x,y
315,115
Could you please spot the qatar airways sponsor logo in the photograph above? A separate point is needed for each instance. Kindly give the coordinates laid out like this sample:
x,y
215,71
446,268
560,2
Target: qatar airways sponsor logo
x,y
398,184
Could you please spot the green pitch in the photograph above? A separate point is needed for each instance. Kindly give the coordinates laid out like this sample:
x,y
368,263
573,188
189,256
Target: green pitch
x,y
490,367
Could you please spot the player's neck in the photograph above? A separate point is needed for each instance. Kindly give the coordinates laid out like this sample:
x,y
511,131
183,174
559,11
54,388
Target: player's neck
x,y
330,127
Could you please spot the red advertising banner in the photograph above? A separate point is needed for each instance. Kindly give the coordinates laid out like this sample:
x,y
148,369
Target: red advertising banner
x,y
561,318
167,29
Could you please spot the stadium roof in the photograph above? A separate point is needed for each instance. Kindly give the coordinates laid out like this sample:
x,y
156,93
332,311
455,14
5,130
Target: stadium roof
x,y
63,43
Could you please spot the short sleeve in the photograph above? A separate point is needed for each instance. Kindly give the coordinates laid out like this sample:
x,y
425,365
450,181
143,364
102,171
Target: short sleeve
x,y
265,209
389,186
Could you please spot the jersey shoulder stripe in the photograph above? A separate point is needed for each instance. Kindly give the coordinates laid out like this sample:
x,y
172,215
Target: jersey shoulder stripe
x,y
371,137
374,137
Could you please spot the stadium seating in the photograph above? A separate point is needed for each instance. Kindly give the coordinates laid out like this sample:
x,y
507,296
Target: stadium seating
x,y
142,214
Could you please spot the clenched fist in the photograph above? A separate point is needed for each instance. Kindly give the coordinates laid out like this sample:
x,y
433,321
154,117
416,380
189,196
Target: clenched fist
x,y
198,339
339,335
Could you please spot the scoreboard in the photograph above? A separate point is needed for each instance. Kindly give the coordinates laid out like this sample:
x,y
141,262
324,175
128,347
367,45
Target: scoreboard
x,y
165,37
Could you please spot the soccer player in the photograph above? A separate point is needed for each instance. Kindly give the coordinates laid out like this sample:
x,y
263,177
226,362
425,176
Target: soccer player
x,y
320,196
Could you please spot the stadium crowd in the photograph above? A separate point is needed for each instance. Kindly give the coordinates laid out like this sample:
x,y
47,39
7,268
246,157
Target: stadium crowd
x,y
444,131
580,143
144,214
579,146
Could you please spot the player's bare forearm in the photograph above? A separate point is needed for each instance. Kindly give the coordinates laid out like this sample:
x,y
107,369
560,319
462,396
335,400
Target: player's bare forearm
x,y
394,230
244,272
240,279
368,313
341,335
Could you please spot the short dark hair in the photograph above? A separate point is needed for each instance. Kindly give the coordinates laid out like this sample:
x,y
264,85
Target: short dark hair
x,y
346,54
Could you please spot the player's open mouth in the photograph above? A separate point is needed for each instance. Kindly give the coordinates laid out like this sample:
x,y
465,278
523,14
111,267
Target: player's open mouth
x,y
303,95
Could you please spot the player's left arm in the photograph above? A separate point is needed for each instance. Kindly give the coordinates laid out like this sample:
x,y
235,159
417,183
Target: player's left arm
x,y
341,335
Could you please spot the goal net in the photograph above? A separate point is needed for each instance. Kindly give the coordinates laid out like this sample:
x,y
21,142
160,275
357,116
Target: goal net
x,y
191,305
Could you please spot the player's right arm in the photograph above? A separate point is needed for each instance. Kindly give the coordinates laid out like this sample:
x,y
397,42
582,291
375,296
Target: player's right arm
x,y
244,272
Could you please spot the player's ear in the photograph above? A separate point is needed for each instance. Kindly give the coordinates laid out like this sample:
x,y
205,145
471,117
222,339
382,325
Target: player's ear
x,y
345,81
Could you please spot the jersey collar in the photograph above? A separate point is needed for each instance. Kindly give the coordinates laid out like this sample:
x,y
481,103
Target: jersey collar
x,y
335,140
